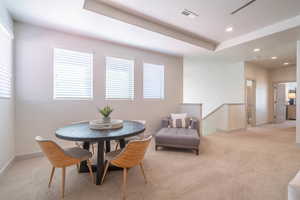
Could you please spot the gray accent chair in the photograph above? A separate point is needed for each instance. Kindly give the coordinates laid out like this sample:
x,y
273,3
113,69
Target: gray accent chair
x,y
185,138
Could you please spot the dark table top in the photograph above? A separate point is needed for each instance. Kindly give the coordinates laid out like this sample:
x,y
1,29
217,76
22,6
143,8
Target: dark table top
x,y
82,132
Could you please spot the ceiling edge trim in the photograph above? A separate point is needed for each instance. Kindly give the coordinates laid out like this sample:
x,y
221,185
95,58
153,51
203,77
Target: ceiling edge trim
x,y
268,30
121,15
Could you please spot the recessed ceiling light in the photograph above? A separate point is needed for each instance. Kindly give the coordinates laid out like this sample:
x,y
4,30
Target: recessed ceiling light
x,y
286,63
274,58
256,50
229,29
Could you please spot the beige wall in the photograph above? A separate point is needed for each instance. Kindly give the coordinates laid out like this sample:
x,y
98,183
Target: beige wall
x,y
280,75
37,112
236,117
262,78
7,114
283,74
228,117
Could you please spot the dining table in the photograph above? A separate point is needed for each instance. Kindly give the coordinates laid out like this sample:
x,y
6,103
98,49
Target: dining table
x,y
81,132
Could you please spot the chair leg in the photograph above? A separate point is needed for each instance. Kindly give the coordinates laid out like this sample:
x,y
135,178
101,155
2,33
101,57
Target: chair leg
x,y
197,152
63,181
105,171
143,172
78,167
89,164
93,149
77,144
51,176
117,146
124,183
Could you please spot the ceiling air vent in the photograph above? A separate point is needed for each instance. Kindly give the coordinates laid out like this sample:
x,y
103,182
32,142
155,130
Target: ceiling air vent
x,y
189,13
242,7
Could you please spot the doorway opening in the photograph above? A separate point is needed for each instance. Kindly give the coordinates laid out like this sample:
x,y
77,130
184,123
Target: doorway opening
x,y
251,102
284,101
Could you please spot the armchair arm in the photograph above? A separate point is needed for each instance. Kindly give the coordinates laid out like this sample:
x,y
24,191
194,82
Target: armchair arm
x,y
194,123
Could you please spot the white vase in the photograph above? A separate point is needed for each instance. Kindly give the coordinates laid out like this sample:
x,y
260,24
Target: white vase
x,y
106,119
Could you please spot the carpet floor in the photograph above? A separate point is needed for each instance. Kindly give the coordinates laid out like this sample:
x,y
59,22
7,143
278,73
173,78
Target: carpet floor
x,y
256,164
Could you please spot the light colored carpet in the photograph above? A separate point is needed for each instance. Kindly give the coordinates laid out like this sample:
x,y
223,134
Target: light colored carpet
x,y
252,165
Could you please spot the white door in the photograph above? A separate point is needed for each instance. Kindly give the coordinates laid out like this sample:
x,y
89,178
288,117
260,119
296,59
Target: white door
x,y
279,103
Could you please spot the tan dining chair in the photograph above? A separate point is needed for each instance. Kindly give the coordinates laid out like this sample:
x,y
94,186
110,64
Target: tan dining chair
x,y
62,158
132,155
136,137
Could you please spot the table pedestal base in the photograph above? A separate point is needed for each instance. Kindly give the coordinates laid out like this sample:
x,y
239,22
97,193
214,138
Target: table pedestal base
x,y
99,167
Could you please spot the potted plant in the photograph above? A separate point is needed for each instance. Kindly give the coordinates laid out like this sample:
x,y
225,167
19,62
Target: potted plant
x,y
105,112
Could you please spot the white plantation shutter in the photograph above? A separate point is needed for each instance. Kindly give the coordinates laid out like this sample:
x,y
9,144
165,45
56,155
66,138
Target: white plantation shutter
x,y
119,78
5,82
73,74
153,81
5,64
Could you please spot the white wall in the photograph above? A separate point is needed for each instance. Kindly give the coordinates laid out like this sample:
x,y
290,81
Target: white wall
x,y
38,114
5,19
7,140
262,78
298,94
212,82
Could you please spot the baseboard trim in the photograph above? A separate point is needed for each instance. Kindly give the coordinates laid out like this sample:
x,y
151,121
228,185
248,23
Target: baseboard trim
x,y
232,130
7,165
262,124
29,156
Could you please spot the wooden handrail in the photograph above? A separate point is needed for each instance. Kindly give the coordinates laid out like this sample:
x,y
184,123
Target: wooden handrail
x,y
216,109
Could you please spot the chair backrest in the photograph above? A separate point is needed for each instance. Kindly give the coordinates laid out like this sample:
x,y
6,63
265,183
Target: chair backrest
x,y
53,152
133,153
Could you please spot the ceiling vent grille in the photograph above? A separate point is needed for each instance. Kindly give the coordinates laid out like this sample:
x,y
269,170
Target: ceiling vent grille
x,y
189,13
242,7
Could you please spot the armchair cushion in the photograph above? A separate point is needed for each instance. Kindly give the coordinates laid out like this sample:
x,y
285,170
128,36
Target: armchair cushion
x,y
178,137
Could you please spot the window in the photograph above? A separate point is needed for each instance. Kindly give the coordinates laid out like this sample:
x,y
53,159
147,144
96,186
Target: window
x,y
119,78
73,77
153,81
5,82
5,65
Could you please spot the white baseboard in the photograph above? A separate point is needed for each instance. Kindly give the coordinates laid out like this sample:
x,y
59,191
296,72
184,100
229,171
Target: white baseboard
x,y
29,156
262,124
232,130
7,165
34,154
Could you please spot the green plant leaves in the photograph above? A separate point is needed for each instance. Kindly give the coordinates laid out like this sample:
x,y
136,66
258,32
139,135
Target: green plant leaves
x,y
106,111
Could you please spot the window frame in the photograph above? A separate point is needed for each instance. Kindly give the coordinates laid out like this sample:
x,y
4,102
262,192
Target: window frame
x,y
92,77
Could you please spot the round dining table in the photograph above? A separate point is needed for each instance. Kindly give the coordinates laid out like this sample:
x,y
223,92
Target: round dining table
x,y
82,132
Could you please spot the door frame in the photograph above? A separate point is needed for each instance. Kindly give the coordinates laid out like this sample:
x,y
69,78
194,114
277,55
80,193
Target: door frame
x,y
273,95
253,122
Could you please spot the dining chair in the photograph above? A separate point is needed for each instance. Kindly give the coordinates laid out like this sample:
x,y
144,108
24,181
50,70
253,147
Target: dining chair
x,y
136,137
62,158
132,155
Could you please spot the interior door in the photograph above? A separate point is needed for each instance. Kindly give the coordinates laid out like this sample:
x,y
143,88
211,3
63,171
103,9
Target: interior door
x,y
279,103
